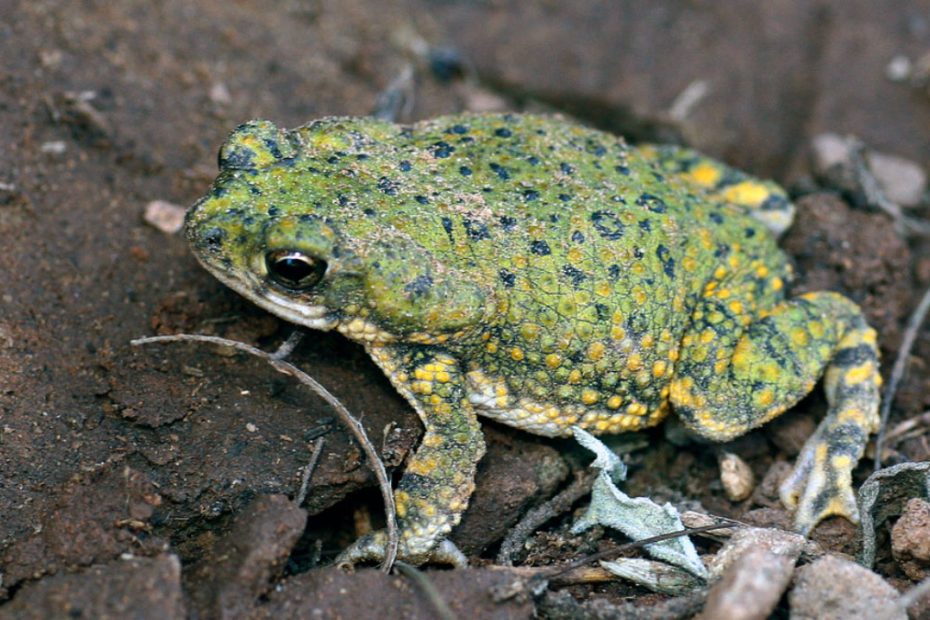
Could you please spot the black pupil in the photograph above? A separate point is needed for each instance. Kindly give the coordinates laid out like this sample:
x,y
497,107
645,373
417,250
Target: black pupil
x,y
295,270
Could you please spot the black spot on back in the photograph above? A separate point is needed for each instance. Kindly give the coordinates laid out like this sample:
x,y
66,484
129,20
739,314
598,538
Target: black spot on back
x,y
387,186
668,263
508,278
508,223
607,224
576,276
442,149
540,248
476,231
500,171
651,202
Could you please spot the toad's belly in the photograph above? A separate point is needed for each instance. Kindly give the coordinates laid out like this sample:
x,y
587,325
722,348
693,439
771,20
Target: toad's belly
x,y
492,398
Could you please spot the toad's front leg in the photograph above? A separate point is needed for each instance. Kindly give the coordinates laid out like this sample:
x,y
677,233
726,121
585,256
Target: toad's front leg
x,y
440,477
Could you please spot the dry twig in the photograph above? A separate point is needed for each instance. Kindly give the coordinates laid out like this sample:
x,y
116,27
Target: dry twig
x,y
539,515
308,471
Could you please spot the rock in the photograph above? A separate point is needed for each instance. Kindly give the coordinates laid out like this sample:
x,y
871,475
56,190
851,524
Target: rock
x,y
766,492
773,541
902,180
789,432
836,589
829,151
751,586
754,568
910,539
240,567
140,588
516,473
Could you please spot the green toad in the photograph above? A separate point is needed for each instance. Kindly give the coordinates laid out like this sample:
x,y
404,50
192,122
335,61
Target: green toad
x,y
543,274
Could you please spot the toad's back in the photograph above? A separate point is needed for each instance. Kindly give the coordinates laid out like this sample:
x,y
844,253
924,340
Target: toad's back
x,y
597,254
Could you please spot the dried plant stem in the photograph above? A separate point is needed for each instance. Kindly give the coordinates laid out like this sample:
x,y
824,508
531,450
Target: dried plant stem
x,y
308,471
580,487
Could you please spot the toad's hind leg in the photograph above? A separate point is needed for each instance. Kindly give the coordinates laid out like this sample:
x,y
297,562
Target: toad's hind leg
x,y
766,201
724,388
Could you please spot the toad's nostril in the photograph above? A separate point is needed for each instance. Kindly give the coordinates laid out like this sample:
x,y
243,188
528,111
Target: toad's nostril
x,y
213,238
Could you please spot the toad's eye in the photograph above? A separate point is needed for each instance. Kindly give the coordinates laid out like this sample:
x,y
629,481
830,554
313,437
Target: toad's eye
x,y
295,270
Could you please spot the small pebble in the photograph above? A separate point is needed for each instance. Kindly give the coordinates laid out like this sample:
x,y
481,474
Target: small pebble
x,y
165,216
898,68
51,58
55,147
479,100
736,477
219,94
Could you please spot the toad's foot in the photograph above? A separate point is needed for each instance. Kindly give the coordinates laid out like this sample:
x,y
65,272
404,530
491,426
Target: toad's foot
x,y
820,486
372,547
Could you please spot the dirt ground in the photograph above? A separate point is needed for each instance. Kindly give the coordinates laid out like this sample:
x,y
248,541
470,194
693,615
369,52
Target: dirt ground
x,y
159,482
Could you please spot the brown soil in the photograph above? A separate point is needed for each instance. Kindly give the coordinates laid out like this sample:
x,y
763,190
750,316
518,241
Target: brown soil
x,y
183,457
